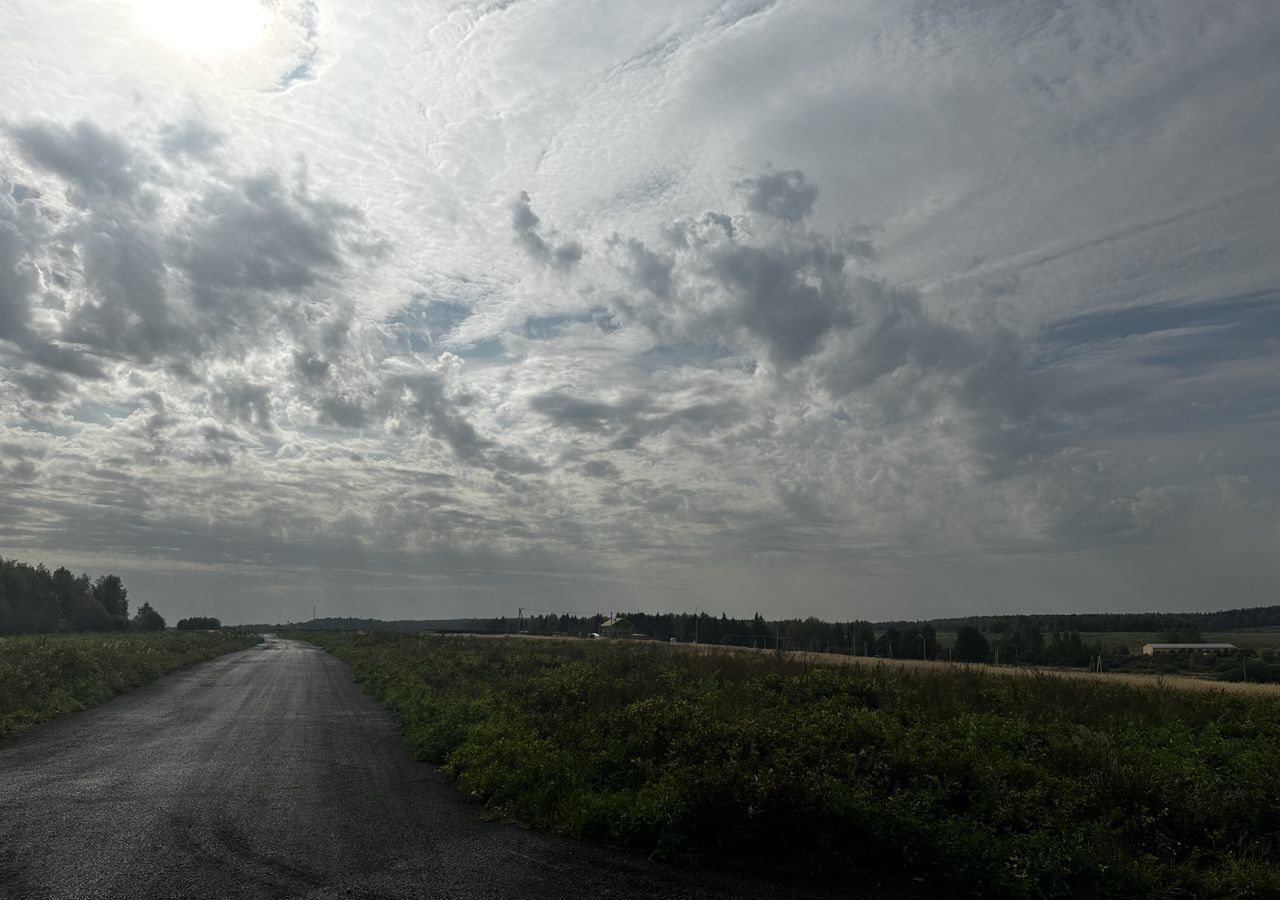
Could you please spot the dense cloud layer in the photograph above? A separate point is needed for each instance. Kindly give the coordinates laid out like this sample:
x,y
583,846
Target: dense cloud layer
x,y
425,314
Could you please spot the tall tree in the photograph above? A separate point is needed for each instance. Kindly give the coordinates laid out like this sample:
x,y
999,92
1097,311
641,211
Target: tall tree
x,y
147,619
110,591
930,640
864,638
971,646
890,644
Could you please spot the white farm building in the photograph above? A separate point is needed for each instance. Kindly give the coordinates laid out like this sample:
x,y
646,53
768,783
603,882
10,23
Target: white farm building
x,y
1153,649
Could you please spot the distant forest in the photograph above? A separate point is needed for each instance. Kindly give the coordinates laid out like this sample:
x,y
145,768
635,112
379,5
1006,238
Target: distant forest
x,y
713,629
914,641
1223,620
34,599
1039,639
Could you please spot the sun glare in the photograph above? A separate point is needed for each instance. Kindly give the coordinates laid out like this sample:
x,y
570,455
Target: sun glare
x,y
203,28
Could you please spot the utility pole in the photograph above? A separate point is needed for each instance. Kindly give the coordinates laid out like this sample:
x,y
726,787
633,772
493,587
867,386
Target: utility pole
x,y
924,648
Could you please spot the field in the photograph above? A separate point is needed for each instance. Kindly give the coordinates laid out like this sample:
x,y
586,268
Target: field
x,y
1121,652
1255,639
42,676
1027,785
1136,678
1252,639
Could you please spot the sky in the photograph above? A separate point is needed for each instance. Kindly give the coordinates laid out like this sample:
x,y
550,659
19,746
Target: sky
x,y
852,309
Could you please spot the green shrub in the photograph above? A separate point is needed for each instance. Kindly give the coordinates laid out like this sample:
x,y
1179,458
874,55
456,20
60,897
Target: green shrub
x,y
42,676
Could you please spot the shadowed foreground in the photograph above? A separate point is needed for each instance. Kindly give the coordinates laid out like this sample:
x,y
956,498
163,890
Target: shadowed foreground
x,y
268,773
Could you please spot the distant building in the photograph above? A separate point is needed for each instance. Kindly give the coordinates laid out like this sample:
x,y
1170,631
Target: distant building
x,y
1153,649
616,627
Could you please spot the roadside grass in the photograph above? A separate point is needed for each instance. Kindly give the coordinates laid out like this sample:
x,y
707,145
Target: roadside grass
x,y
42,676
1028,786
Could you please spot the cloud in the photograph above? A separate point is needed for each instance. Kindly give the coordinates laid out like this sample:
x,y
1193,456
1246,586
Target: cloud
x,y
782,195
191,139
793,296
600,468
631,420
648,270
17,283
86,156
344,412
255,235
960,348
423,398
44,387
400,399
22,233
526,223
245,402
310,367
60,358
298,23
592,416
160,273
787,299
126,307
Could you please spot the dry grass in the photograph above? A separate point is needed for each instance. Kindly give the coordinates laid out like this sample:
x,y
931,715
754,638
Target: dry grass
x,y
1181,682
1172,682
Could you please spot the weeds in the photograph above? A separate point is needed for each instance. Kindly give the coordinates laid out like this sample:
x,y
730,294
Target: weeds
x,y
42,676
1028,786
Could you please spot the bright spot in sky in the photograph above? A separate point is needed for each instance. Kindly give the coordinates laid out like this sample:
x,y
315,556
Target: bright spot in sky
x,y
204,28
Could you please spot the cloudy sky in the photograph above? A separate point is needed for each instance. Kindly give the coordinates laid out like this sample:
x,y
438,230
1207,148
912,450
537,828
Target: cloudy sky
x,y
812,307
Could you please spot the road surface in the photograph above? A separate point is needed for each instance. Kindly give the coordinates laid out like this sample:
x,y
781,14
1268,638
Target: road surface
x,y
268,773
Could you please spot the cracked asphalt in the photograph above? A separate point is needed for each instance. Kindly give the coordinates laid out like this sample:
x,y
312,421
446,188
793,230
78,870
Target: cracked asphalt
x,y
268,773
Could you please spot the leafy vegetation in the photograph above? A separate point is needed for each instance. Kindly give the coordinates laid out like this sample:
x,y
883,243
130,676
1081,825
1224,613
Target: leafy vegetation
x,y
34,599
1017,786
198,623
147,619
46,675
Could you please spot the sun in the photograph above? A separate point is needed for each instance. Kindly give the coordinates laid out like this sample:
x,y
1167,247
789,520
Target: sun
x,y
203,28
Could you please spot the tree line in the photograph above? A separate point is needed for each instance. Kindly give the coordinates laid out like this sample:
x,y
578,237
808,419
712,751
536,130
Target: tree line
x,y
34,599
1024,643
1222,620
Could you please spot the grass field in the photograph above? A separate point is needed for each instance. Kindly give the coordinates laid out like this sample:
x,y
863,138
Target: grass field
x,y
1136,679
42,676
1028,786
1254,639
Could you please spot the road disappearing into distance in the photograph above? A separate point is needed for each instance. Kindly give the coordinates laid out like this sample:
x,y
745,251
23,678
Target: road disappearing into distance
x,y
268,773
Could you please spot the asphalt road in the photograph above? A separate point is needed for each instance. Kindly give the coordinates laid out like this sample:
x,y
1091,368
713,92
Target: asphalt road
x,y
268,773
